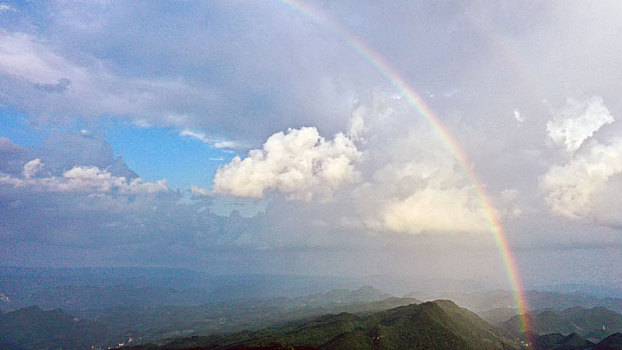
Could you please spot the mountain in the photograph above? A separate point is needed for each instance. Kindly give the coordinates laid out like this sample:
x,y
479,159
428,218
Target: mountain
x,y
344,296
497,316
557,341
612,342
483,301
439,324
169,321
603,291
32,328
594,324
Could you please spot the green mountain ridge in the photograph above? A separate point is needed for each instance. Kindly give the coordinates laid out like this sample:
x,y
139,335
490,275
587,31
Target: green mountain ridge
x,y
432,325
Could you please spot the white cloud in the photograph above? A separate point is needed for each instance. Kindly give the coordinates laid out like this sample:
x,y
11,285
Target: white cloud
x,y
435,210
141,123
203,138
80,179
32,168
357,125
520,119
198,191
427,195
573,189
6,8
587,185
299,164
227,144
415,185
578,122
196,135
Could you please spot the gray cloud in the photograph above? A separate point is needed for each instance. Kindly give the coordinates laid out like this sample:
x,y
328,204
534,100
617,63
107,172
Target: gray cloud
x,y
493,73
60,86
582,187
578,122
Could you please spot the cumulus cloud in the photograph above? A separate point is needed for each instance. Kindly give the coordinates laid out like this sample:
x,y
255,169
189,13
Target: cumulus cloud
x,y
435,210
80,179
421,197
582,187
573,189
577,122
96,207
299,164
407,182
414,183
32,168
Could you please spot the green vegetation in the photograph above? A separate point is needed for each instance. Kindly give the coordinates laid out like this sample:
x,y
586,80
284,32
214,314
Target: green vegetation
x,y
432,325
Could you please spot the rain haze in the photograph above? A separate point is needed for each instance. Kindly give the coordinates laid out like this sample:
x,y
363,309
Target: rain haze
x,y
466,140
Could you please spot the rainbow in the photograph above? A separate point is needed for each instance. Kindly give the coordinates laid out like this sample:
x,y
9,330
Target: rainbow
x,y
415,100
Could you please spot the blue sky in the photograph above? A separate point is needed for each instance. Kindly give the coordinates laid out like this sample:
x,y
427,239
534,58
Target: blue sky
x,y
157,153
153,152
14,125
295,154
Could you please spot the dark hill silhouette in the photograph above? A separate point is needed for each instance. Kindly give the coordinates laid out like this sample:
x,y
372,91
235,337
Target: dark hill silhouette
x,y
612,342
557,341
34,328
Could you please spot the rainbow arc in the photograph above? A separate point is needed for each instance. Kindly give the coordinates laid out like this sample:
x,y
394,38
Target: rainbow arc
x,y
381,65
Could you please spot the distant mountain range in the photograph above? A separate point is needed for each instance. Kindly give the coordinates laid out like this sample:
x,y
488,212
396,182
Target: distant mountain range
x,y
593,324
33,328
557,341
432,325
108,307
166,321
439,324
486,301
331,323
77,289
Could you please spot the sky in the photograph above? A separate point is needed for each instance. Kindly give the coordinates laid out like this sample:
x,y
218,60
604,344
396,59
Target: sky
x,y
346,138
